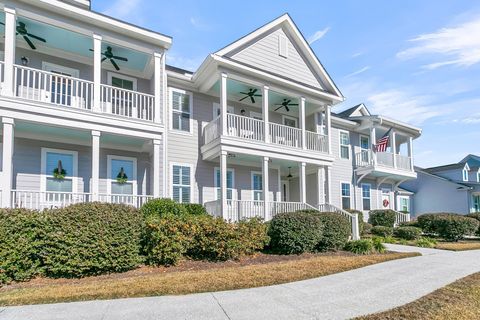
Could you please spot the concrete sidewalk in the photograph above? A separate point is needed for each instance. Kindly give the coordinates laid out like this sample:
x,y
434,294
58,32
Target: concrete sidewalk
x,y
340,296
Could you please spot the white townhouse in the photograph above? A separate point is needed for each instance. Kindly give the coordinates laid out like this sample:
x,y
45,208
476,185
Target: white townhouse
x,y
91,112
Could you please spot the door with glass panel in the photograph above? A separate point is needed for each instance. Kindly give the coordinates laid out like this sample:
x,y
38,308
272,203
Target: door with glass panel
x,y
61,87
60,172
122,101
365,149
123,182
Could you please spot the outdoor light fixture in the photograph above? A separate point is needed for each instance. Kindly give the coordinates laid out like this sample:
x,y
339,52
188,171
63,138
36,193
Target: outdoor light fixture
x,y
242,112
289,173
231,155
25,61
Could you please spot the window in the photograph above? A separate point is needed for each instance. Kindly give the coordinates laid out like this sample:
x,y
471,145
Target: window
x,y
257,186
365,147
404,205
122,175
289,121
217,110
230,183
181,183
366,188
345,196
181,107
476,203
465,174
67,161
478,175
344,145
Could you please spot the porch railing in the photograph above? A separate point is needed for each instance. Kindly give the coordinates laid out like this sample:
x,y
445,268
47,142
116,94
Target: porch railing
x,y
366,158
316,141
126,103
245,127
43,86
212,130
403,162
401,217
37,200
285,135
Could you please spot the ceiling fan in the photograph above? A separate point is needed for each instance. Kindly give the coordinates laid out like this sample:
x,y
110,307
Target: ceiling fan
x,y
251,93
22,30
108,54
286,104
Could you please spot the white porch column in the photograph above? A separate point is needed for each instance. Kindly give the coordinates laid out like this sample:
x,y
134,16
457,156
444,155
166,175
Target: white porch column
x,y
159,65
223,101
223,183
328,126
410,151
94,182
303,182
373,141
394,147
97,72
265,184
328,198
266,124
156,168
9,56
321,185
279,190
7,164
302,121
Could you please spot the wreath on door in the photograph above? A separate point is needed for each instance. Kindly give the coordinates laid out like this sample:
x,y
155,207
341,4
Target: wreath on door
x,y
122,177
386,203
59,173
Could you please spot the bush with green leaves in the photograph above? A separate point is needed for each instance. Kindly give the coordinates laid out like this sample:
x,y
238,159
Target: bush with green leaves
x,y
295,232
378,245
363,246
407,233
195,209
336,231
367,229
475,215
382,231
426,242
163,207
384,218
456,227
21,244
413,223
361,223
427,222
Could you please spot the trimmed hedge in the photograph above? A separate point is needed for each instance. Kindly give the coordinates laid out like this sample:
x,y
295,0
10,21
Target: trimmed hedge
x,y
80,240
384,218
367,228
449,226
168,239
195,209
475,215
428,222
163,207
407,233
336,231
382,231
295,232
361,223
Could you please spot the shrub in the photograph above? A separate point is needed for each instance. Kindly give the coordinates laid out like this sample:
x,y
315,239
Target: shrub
x,y
428,222
382,231
456,227
295,232
195,209
90,239
426,242
407,233
475,215
21,244
367,228
412,223
162,208
384,218
378,245
336,231
364,246
361,223
388,239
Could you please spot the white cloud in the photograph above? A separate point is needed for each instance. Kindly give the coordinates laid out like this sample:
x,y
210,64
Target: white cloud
x,y
199,24
318,35
358,54
125,10
190,64
357,72
460,45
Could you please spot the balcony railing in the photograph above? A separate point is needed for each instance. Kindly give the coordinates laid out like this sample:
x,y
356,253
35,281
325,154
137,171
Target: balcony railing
x,y
66,91
366,158
37,200
253,130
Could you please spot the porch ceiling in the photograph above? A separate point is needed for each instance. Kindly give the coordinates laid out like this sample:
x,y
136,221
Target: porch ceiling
x,y
75,44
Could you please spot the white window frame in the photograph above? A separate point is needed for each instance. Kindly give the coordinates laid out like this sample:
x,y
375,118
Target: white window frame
x,y
111,179
123,77
216,186
48,66
465,170
217,107
171,90
369,198
289,118
181,164
340,144
44,175
399,199
475,194
341,196
478,175
252,173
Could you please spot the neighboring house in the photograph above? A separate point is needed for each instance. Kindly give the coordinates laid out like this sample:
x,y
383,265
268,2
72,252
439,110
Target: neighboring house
x,y
250,133
448,188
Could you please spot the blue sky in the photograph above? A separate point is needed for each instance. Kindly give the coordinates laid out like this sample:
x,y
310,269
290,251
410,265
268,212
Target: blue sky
x,y
416,61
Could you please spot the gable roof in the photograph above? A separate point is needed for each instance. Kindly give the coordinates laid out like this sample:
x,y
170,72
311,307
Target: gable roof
x,y
445,167
285,22
350,111
460,185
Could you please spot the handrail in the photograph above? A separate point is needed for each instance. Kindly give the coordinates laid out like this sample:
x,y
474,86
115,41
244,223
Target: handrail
x,y
212,130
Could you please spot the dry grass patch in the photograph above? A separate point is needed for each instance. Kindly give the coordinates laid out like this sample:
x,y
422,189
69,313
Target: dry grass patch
x,y
159,282
459,300
458,246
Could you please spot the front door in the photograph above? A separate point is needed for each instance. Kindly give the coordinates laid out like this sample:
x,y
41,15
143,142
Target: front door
x,y
61,85
386,199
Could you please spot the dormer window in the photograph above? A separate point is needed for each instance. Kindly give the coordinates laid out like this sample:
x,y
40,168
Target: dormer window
x,y
465,173
478,175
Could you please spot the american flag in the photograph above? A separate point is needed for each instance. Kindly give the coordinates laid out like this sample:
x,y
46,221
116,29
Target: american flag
x,y
382,143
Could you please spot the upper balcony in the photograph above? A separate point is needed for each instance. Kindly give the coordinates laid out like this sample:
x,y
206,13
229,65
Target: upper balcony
x,y
59,63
